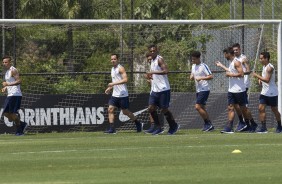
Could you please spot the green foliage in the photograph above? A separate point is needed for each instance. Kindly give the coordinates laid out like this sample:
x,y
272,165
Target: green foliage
x,y
78,48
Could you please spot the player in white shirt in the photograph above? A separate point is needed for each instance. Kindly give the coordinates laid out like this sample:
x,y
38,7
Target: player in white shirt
x,y
160,94
13,101
269,93
244,124
201,74
119,98
236,90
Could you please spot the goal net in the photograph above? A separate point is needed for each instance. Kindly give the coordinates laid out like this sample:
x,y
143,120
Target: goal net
x,y
65,68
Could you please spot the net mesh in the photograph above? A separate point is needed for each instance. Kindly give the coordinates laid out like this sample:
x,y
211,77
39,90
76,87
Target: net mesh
x,y
75,60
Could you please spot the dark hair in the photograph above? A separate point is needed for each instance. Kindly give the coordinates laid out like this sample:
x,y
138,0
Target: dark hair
x,y
196,54
265,55
117,56
236,45
152,45
229,50
7,57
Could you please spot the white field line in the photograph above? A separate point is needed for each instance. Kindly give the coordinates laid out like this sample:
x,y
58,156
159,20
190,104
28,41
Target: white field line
x,y
141,148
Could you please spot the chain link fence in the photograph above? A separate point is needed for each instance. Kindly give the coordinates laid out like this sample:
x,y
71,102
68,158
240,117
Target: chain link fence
x,y
75,59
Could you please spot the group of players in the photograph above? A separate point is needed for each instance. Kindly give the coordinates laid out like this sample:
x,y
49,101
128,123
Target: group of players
x,y
238,73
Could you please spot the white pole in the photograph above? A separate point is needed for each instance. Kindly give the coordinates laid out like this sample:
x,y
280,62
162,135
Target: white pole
x,y
128,21
279,66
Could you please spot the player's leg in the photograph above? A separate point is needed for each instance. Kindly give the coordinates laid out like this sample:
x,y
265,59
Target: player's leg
x,y
273,103
152,125
201,99
158,126
21,124
164,104
152,109
113,103
249,120
124,105
11,107
229,126
262,118
241,124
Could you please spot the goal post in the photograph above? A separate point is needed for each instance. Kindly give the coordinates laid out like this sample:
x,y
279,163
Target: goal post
x,y
93,82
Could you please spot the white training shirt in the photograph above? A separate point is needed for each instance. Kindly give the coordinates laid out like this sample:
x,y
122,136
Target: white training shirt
x,y
160,82
121,89
12,90
269,89
201,70
236,84
246,77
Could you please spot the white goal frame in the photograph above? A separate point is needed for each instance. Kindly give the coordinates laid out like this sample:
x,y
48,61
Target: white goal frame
x,y
106,21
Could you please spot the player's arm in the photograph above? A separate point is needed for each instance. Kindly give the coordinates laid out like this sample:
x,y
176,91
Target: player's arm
x,y
207,77
219,64
267,77
16,76
246,63
163,66
191,76
239,68
4,89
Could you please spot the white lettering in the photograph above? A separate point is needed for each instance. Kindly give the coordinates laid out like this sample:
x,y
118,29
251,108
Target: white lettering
x,y
37,117
79,116
64,115
90,116
29,117
101,118
60,116
55,112
72,116
45,116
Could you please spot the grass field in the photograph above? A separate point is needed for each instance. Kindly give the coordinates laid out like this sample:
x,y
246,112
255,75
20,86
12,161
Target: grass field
x,y
127,157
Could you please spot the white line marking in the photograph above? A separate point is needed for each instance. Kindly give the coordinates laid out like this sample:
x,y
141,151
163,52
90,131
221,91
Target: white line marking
x,y
141,148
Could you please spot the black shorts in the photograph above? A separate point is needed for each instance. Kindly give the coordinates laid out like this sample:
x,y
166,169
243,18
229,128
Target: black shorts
x,y
269,100
119,102
202,97
160,99
237,98
12,104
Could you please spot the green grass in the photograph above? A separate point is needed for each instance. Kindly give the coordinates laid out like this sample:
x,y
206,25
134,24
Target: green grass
x,y
188,157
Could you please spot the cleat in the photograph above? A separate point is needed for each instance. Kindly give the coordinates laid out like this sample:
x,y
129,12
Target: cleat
x,y
253,128
241,126
139,127
278,129
110,131
208,127
158,131
227,130
24,127
150,130
262,130
172,131
19,134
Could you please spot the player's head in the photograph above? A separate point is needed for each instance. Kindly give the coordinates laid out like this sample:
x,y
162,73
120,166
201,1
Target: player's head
x,y
153,48
149,57
7,61
237,49
228,53
195,57
264,57
114,59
